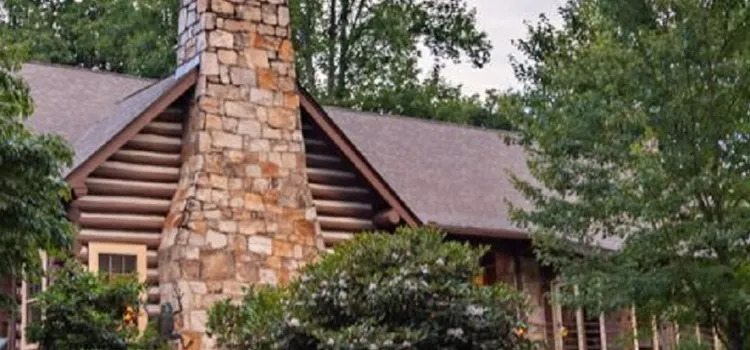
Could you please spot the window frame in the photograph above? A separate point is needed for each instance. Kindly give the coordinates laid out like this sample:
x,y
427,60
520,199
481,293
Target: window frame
x,y
141,266
25,301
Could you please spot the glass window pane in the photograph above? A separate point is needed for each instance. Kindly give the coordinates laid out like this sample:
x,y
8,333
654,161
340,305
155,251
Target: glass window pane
x,y
33,314
32,289
115,264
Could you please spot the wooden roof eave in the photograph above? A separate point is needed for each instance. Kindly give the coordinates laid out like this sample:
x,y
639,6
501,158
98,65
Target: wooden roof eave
x,y
77,176
347,148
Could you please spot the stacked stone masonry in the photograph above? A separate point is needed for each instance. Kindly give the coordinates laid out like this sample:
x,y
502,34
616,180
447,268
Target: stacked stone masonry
x,y
243,213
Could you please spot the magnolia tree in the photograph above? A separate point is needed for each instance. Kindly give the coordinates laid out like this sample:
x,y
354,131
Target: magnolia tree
x,y
638,130
411,290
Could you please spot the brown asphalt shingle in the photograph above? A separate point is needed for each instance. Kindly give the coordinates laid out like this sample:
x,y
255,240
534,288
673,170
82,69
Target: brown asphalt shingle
x,y
445,173
69,100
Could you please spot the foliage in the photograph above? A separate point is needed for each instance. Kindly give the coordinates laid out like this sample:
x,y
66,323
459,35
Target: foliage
x,y
83,310
135,37
636,119
32,191
379,291
351,53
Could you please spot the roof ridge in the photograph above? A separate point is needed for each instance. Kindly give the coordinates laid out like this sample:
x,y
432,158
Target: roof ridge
x,y
427,121
90,70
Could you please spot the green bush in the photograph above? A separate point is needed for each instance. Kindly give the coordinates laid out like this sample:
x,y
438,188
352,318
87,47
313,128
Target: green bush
x,y
411,290
85,311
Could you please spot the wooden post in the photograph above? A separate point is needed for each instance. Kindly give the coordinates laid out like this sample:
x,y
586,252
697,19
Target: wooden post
x,y
717,342
698,334
603,330
636,343
677,334
580,324
557,321
655,334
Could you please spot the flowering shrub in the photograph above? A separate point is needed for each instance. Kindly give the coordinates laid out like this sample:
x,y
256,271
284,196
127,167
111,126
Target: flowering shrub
x,y
411,290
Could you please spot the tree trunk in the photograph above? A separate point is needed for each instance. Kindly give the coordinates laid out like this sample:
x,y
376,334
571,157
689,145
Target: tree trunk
x,y
344,49
306,32
332,31
12,344
736,335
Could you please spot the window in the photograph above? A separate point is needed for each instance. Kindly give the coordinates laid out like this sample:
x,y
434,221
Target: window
x,y
30,311
119,259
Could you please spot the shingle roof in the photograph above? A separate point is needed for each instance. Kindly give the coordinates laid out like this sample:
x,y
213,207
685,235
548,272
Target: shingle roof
x,y
86,107
69,100
446,174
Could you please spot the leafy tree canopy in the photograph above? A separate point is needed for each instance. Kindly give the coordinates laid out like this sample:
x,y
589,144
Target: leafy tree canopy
x,y
351,53
123,36
32,191
411,290
636,119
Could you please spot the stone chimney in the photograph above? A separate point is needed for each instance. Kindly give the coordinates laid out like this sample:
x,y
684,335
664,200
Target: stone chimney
x,y
243,213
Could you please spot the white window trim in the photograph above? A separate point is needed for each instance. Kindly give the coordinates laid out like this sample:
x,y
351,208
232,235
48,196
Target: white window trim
x,y
25,303
139,250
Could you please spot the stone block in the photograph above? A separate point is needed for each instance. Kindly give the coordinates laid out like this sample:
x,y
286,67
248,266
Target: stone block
x,y
260,245
227,56
282,118
216,265
262,97
267,79
220,39
223,139
242,76
239,109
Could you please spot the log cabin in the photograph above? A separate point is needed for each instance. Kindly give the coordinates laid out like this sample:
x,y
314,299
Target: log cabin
x,y
227,174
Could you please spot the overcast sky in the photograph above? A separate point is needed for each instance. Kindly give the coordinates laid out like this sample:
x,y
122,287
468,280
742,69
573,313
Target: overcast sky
x,y
503,21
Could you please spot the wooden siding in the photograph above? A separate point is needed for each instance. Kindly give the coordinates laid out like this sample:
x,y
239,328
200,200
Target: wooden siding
x,y
128,196
346,204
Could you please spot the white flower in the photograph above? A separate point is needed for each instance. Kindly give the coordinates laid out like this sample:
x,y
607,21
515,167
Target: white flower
x,y
406,344
294,322
473,310
330,341
455,332
373,347
440,261
425,270
342,295
372,287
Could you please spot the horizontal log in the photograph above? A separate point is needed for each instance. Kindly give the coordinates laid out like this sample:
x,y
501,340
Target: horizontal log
x,y
147,157
319,175
150,142
115,221
118,187
338,192
152,310
152,276
331,237
110,236
387,218
172,115
163,128
153,295
123,204
342,208
334,223
322,160
138,172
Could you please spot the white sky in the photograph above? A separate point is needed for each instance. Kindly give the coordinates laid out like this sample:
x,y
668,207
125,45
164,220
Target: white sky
x,y
503,22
